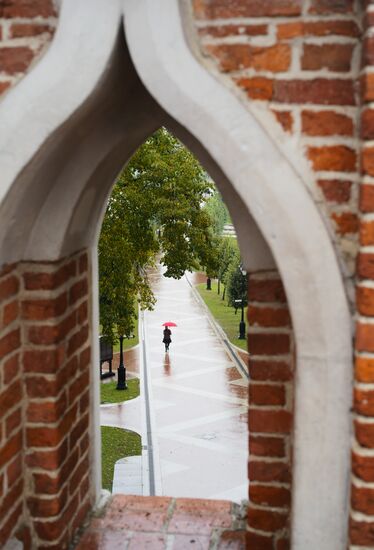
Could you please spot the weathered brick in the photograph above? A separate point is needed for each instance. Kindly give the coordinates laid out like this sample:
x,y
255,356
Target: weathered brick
x,y
320,91
335,57
78,290
260,542
361,533
47,507
338,158
27,8
11,368
266,446
256,87
268,344
266,290
363,467
368,51
364,434
77,340
265,495
266,520
367,87
52,530
285,119
366,198
10,396
40,310
48,460
260,421
362,499
364,369
367,161
275,371
326,123
317,28
221,31
13,421
364,402
234,57
367,124
208,9
23,30
15,470
268,316
364,337
365,265
78,386
338,191
8,287
47,411
365,300
10,313
326,7
10,448
345,222
15,60
10,342
52,280
266,394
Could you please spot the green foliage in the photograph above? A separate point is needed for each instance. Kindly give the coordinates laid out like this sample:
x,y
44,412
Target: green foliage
x,y
156,210
237,285
109,393
116,443
228,253
218,212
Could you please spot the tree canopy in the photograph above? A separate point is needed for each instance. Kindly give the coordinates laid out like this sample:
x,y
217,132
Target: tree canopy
x,y
156,210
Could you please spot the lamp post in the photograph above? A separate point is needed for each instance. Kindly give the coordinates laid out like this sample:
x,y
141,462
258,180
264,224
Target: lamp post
x,y
208,284
121,385
242,328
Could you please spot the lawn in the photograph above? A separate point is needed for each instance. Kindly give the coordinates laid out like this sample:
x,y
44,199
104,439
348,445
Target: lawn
x,y
116,443
223,314
109,393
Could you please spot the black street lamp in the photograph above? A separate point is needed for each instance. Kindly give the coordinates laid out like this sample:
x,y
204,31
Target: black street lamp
x,y
121,385
242,330
208,284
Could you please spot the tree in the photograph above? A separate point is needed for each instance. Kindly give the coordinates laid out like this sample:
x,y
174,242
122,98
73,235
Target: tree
x,y
218,212
237,284
156,210
227,251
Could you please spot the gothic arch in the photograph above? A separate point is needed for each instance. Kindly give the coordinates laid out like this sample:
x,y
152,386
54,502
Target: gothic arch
x,y
90,103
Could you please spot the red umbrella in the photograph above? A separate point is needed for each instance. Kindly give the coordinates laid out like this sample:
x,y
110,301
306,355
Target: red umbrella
x,y
169,324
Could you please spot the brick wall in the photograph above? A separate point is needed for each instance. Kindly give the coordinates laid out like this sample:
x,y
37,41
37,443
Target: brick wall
x,y
270,342
362,492
45,370
26,28
299,59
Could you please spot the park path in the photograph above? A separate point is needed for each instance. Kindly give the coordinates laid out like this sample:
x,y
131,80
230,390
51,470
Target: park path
x,y
198,400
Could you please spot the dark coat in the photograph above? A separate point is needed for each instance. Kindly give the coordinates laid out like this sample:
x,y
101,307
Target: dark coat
x,y
167,334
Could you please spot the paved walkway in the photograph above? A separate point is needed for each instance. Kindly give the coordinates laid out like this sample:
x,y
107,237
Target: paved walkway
x,y
198,405
199,398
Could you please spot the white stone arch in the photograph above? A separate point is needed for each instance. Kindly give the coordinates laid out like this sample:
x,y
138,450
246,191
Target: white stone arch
x,y
66,129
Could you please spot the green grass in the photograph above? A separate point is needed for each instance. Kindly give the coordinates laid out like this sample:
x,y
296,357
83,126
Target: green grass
x,y
116,443
109,394
128,342
223,314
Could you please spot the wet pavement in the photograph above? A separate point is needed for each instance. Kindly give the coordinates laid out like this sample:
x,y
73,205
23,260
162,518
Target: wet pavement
x,y
199,400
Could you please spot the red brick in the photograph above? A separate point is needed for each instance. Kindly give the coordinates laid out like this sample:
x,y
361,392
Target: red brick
x,y
367,161
40,387
47,411
317,28
267,472
79,474
7,527
11,396
13,421
367,87
364,402
367,124
266,290
364,337
267,495
52,334
85,358
268,316
11,498
14,470
46,484
274,371
10,342
364,434
266,520
268,344
40,310
260,421
234,57
266,446
320,91
208,9
368,51
27,8
365,300
47,507
334,57
78,290
82,313
11,447
52,280
10,313
43,361
366,233
285,119
52,530
362,500
363,467
283,544
11,368
77,340
331,6
364,370
266,394
256,87
48,460
346,222
361,533
338,191
15,60
326,123
51,437
4,86
338,158
259,542
365,265
220,31
8,287
79,430
22,30
366,198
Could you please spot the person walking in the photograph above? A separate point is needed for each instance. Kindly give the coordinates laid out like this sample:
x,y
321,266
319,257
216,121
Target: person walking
x,y
167,339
